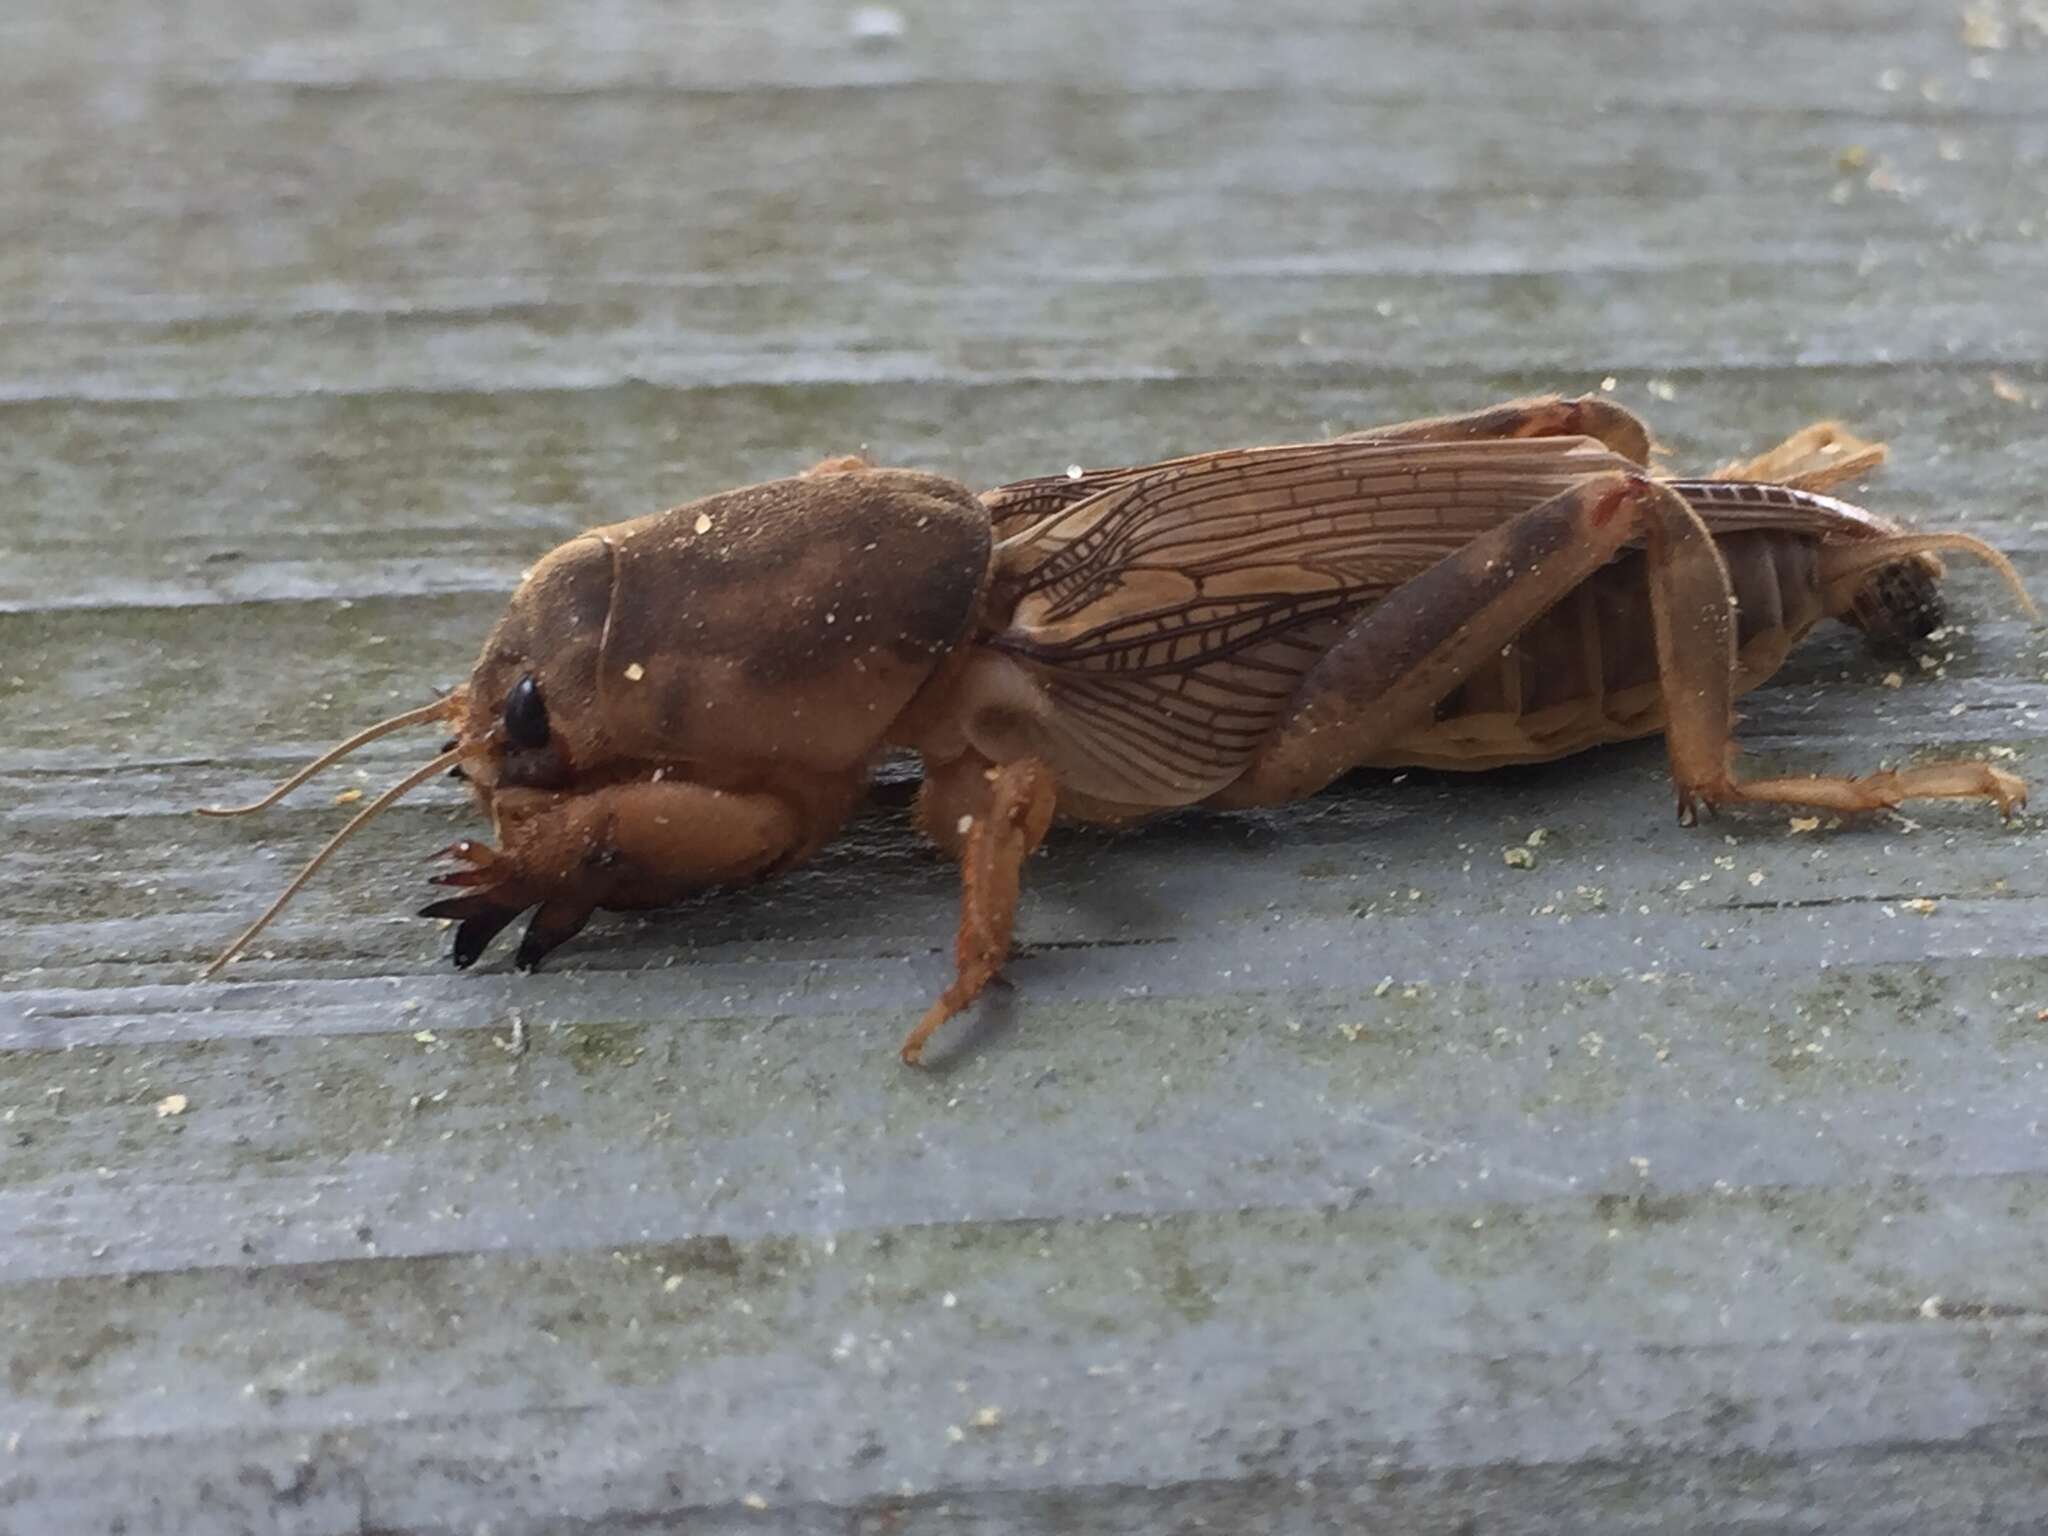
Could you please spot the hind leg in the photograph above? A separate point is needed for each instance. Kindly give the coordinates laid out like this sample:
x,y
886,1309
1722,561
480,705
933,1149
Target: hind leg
x,y
1880,791
1815,458
1386,674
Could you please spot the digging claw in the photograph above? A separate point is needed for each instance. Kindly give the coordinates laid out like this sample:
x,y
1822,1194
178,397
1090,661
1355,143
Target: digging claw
x,y
480,920
475,935
553,925
494,896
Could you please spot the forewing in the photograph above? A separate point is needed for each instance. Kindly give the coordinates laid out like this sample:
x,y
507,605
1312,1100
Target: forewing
x,y
1017,506
1171,616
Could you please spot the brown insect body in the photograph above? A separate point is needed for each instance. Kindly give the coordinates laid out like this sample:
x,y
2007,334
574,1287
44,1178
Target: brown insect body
x,y
698,697
1193,712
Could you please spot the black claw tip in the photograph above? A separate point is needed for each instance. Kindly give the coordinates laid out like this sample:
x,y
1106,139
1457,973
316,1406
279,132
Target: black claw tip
x,y
481,920
553,925
476,933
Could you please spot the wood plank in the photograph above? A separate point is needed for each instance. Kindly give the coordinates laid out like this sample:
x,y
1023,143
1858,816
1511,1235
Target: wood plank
x,y
1319,1170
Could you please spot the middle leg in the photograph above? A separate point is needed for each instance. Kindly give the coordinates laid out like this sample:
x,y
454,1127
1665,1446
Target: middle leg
x,y
990,818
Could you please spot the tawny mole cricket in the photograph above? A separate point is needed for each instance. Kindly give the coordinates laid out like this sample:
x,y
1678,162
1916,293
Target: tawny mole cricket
x,y
697,698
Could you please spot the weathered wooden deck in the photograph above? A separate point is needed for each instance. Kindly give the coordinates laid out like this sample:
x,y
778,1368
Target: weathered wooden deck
x,y
1320,1171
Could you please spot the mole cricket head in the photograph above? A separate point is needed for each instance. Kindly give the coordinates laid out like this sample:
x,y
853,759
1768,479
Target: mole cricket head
x,y
780,627
757,645
530,716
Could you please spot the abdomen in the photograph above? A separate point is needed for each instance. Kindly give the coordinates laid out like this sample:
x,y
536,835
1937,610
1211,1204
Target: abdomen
x,y
1586,673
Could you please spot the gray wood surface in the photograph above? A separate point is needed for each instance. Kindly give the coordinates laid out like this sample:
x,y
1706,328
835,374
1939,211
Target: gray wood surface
x,y
1319,1170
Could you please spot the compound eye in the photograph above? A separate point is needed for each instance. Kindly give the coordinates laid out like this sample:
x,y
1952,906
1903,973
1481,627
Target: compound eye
x,y
526,715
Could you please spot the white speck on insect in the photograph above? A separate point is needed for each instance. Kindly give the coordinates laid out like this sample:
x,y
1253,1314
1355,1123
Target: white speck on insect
x,y
964,825
703,523
1074,471
634,672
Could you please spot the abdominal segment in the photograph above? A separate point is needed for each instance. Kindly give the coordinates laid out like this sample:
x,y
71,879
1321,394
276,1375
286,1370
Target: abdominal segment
x,y
1586,673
